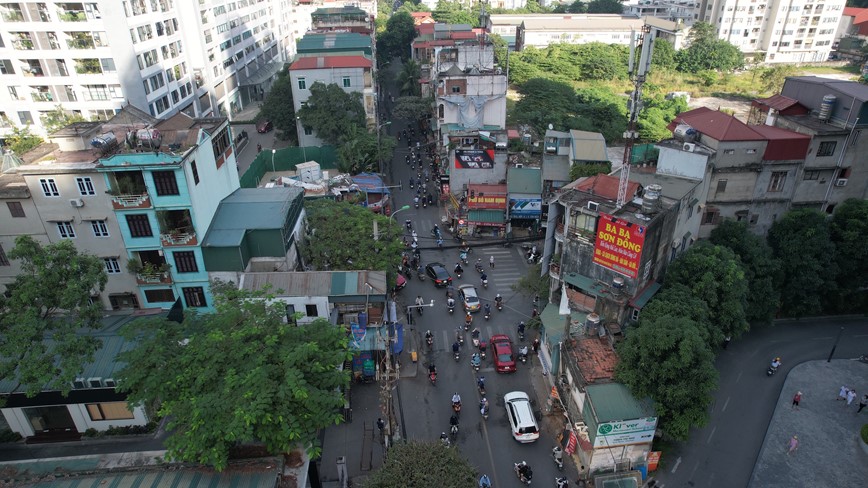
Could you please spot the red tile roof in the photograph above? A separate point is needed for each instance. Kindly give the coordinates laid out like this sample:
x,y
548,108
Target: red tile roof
x,y
783,144
859,15
324,62
778,102
717,125
595,358
606,186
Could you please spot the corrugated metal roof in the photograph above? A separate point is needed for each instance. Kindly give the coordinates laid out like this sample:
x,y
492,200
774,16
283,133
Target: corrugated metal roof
x,y
613,402
524,180
485,216
323,62
317,283
588,146
717,125
332,40
606,186
249,209
778,102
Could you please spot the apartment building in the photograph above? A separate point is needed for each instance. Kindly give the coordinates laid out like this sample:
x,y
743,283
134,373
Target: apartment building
x,y
200,57
779,31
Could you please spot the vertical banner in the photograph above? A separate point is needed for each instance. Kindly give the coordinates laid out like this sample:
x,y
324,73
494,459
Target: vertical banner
x,y
619,245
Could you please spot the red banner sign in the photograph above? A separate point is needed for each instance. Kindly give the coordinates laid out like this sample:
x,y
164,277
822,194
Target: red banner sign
x,y
619,245
572,444
492,202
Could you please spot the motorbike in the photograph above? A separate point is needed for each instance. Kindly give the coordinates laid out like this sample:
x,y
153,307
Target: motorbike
x,y
467,325
772,370
457,356
479,268
445,440
430,341
484,481
451,307
485,283
558,456
475,362
419,310
416,204
480,384
460,337
521,335
522,470
522,354
458,274
463,257
456,407
562,482
483,409
420,274
433,377
408,224
424,203
499,304
487,314
482,347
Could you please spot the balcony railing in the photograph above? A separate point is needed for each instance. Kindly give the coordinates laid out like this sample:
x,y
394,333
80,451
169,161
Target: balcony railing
x,y
555,270
120,202
559,233
154,278
42,97
179,239
13,16
72,15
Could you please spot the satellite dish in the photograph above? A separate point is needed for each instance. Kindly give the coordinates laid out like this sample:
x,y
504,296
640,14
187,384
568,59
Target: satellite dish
x,y
551,127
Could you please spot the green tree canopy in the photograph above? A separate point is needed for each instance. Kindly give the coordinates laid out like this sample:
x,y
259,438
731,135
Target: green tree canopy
x,y
657,113
601,110
761,269
849,233
664,55
22,140
278,107
668,360
714,275
415,463
412,108
59,118
707,52
360,149
38,348
331,112
395,40
333,224
408,79
679,301
579,170
546,102
773,77
450,12
239,375
605,7
801,241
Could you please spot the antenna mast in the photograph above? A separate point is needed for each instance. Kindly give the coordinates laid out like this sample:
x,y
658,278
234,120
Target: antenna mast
x,y
634,103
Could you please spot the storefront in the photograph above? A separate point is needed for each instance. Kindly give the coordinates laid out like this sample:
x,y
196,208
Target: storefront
x,y
486,209
525,198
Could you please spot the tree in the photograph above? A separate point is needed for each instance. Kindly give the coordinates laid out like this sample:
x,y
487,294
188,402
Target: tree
x,y
773,77
598,61
706,52
333,224
668,360
415,463
395,40
656,115
701,32
39,348
802,243
579,170
239,375
605,7
714,275
449,12
331,112
360,148
761,269
545,102
408,79
278,107
601,110
664,55
849,232
21,140
533,284
412,108
59,118
678,301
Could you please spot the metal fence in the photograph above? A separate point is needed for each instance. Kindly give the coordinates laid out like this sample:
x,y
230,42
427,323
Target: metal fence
x,y
286,159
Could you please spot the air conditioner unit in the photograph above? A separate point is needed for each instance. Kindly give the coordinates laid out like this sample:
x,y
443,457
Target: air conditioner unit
x,y
593,206
841,182
689,146
519,165
109,383
94,382
79,384
76,202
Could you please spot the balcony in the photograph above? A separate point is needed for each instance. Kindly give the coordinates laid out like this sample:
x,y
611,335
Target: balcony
x,y
150,268
72,15
555,270
176,228
128,190
23,44
12,16
42,96
154,278
131,201
559,233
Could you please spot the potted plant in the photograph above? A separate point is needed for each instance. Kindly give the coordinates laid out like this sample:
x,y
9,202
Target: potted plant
x,y
134,266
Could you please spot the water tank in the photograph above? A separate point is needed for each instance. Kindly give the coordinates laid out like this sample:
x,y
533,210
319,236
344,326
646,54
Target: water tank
x,y
592,324
103,141
651,199
684,133
617,282
827,106
149,138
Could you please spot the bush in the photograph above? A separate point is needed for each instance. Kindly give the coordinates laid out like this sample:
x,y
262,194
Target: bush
x,y
707,77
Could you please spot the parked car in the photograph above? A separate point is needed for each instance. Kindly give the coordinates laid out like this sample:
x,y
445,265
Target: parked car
x,y
438,274
264,126
520,414
504,360
469,298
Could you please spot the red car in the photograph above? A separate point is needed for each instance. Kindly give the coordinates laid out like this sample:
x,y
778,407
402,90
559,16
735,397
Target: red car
x,y
504,361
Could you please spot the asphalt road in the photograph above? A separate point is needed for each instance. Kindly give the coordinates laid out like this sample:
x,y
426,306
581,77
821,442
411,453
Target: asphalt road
x,y
723,453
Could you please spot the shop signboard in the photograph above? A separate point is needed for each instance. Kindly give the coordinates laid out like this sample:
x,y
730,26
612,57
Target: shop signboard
x,y
611,434
474,158
496,202
619,245
525,208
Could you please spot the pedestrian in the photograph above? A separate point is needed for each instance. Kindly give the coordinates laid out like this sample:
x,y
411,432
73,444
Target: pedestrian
x,y
534,313
258,147
726,341
535,346
491,261
793,444
381,424
796,399
842,393
863,403
851,395
535,300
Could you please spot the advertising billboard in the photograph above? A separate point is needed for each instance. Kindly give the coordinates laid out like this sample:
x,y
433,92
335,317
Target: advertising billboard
x,y
496,202
525,208
474,158
611,434
619,245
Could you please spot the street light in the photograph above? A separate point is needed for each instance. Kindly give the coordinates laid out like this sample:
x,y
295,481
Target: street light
x,y
379,159
300,133
273,152
409,314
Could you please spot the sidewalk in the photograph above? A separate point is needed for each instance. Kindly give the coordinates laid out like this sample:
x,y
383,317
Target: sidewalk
x,y
828,430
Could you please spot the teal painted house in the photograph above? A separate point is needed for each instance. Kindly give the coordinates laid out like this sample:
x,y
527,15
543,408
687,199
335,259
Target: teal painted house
x,y
164,203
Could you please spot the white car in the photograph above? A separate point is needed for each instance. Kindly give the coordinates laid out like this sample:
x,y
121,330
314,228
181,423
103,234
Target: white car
x,y
520,415
469,298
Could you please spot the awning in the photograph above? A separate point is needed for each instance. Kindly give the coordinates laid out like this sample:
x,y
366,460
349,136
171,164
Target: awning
x,y
261,75
486,217
374,340
585,283
641,298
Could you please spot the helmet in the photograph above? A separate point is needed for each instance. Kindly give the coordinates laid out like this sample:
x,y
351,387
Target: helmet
x,y
498,295
521,323
777,359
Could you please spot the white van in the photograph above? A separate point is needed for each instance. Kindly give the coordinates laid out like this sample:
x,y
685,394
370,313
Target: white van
x,y
520,415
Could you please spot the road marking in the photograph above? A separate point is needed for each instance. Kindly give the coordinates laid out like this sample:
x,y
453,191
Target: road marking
x,y
711,435
725,404
677,462
692,473
738,378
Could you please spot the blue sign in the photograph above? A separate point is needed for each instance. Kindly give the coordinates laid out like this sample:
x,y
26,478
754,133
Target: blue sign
x,y
525,208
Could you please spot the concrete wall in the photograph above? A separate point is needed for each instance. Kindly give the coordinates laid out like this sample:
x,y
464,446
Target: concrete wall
x,y
459,178
685,164
323,307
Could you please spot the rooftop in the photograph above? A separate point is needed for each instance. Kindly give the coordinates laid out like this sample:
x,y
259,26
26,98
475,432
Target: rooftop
x,y
850,88
328,62
614,22
674,187
613,402
327,11
717,125
249,209
777,102
318,283
595,359
524,180
588,146
333,40
605,186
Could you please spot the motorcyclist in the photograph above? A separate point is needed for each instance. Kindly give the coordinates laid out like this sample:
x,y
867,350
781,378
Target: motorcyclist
x,y
498,300
487,309
455,347
484,481
480,382
524,471
475,333
483,276
429,336
453,420
468,320
444,439
475,360
479,265
416,201
776,363
521,328
450,302
458,269
456,399
483,406
558,454
432,369
419,301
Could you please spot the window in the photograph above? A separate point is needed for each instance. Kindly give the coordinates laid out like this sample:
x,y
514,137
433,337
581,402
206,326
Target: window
x,y
456,89
15,209
308,131
195,172
826,149
346,81
85,186
729,151
310,310
109,411
634,315
99,228
160,295
65,230
219,144
777,182
290,314
811,175
750,151
301,84
721,186
112,266
185,261
165,183
710,217
49,187
139,225
194,296
4,261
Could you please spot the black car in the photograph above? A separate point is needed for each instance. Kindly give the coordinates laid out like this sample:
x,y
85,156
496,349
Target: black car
x,y
438,273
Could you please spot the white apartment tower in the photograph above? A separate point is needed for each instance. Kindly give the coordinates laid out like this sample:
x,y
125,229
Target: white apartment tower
x,y
786,31
201,57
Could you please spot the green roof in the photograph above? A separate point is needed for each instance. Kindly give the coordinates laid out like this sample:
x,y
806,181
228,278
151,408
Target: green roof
x,y
554,324
326,11
524,180
613,402
640,300
334,41
586,284
485,216
249,209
